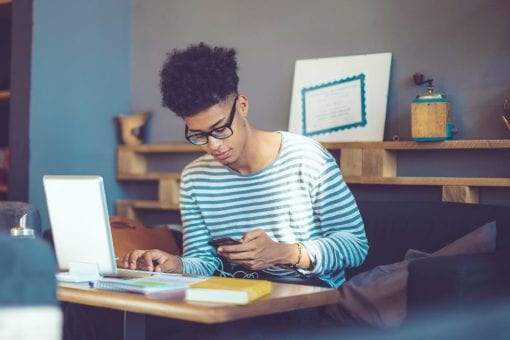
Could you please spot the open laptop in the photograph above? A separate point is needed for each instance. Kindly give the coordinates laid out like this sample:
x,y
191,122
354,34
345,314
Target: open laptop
x,y
80,224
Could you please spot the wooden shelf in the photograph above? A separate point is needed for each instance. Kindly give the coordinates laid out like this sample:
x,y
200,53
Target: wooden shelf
x,y
128,208
5,95
375,163
161,148
429,181
410,145
140,204
150,176
362,163
132,166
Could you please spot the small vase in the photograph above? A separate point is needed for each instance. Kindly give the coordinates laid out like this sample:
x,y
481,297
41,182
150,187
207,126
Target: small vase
x,y
132,128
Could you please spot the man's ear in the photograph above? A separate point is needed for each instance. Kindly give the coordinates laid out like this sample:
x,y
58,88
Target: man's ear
x,y
243,105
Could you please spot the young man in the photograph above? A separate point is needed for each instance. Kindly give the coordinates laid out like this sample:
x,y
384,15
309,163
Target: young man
x,y
280,194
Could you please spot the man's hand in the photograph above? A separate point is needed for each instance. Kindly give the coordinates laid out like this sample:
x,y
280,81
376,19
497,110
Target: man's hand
x,y
258,251
152,260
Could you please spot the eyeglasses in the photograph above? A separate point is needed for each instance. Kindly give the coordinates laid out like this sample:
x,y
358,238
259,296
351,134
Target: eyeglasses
x,y
221,132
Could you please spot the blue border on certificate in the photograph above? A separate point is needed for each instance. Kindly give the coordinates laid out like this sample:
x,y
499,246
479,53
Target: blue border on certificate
x,y
361,78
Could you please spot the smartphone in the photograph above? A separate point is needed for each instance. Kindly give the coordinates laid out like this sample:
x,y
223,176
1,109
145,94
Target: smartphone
x,y
225,241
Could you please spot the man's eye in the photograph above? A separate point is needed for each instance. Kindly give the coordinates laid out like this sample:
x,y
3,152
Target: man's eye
x,y
220,129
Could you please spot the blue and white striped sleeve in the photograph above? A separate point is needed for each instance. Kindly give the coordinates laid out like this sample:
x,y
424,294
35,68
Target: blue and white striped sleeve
x,y
198,256
344,243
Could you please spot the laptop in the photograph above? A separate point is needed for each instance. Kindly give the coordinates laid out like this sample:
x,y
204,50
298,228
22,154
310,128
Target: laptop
x,y
80,225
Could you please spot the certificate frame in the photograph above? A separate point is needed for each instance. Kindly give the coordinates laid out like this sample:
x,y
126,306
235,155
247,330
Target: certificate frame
x,y
360,116
362,105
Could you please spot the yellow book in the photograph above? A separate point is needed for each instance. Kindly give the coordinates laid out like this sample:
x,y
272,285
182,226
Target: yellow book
x,y
228,290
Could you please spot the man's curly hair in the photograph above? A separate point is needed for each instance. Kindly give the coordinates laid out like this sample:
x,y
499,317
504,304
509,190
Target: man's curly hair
x,y
194,79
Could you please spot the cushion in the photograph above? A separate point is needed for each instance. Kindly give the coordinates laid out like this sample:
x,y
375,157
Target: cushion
x,y
377,297
481,240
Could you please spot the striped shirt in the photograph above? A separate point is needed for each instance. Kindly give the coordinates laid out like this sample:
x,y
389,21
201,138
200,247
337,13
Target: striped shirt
x,y
300,197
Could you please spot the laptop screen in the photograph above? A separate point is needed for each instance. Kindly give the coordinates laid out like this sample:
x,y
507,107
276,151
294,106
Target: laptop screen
x,y
79,220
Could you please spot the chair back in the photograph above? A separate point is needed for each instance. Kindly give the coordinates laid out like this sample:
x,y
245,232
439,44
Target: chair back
x,y
129,234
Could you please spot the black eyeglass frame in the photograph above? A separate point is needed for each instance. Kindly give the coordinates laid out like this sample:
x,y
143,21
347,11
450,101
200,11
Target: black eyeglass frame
x,y
212,132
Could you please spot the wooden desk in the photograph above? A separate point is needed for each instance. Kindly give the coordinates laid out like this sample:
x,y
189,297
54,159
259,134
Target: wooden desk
x,y
285,297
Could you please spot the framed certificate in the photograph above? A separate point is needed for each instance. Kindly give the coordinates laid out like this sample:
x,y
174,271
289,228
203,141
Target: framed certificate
x,y
341,98
334,106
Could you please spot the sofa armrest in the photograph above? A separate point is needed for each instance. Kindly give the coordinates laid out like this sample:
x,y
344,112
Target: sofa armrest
x,y
458,281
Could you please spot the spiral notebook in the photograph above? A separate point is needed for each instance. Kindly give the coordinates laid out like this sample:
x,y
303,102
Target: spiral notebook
x,y
156,283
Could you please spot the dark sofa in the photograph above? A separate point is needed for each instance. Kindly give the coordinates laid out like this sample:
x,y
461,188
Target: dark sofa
x,y
394,227
446,297
445,282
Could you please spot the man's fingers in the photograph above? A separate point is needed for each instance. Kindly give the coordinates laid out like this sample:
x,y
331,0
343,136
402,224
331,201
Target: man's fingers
x,y
151,260
244,256
252,234
132,258
147,258
236,248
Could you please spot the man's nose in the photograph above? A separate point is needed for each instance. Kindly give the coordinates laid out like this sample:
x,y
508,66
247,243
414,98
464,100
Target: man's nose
x,y
213,143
